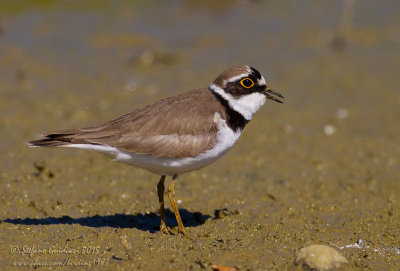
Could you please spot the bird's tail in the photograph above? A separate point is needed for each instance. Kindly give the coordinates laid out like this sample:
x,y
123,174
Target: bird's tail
x,y
56,139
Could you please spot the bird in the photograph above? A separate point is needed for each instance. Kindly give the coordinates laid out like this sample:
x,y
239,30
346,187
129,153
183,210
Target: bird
x,y
177,134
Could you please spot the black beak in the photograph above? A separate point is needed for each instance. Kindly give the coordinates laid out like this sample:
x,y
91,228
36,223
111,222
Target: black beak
x,y
269,94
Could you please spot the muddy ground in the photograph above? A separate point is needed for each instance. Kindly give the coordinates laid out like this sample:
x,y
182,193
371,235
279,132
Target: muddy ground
x,y
322,168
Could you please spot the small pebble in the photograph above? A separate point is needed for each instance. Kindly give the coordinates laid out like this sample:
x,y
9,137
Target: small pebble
x,y
329,130
320,258
287,128
221,213
131,86
223,268
342,113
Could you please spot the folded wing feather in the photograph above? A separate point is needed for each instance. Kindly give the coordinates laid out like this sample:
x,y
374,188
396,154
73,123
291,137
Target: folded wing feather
x,y
176,127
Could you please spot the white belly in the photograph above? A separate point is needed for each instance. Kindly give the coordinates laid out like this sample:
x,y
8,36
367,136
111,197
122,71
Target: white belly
x,y
226,138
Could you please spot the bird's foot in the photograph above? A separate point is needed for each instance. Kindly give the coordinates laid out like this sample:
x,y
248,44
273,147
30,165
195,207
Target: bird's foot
x,y
182,231
164,229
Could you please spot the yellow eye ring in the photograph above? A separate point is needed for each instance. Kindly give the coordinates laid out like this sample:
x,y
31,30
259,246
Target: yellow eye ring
x,y
247,82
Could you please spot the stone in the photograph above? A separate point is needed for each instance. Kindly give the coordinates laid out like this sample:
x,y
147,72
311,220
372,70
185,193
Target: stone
x,y
320,258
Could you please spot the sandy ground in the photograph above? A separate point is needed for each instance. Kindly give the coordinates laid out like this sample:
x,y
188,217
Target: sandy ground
x,y
322,168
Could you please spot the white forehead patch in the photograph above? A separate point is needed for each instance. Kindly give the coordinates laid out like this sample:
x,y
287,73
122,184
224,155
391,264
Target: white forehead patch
x,y
261,82
236,78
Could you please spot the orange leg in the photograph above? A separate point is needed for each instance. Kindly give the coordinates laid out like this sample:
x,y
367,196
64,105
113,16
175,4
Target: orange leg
x,y
160,191
171,194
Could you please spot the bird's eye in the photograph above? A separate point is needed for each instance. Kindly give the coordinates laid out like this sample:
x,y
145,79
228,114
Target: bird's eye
x,y
247,82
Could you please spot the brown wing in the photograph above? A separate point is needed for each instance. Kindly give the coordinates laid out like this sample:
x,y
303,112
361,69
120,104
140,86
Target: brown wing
x,y
178,127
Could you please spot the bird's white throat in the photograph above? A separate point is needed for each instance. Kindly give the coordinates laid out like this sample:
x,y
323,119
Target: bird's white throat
x,y
246,105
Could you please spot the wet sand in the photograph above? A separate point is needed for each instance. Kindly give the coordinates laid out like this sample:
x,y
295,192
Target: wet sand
x,y
322,168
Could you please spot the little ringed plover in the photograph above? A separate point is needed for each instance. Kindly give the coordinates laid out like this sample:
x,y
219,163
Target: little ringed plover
x,y
177,134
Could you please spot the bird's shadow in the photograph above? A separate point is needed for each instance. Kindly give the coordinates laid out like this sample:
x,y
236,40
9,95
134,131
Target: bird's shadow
x,y
145,222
